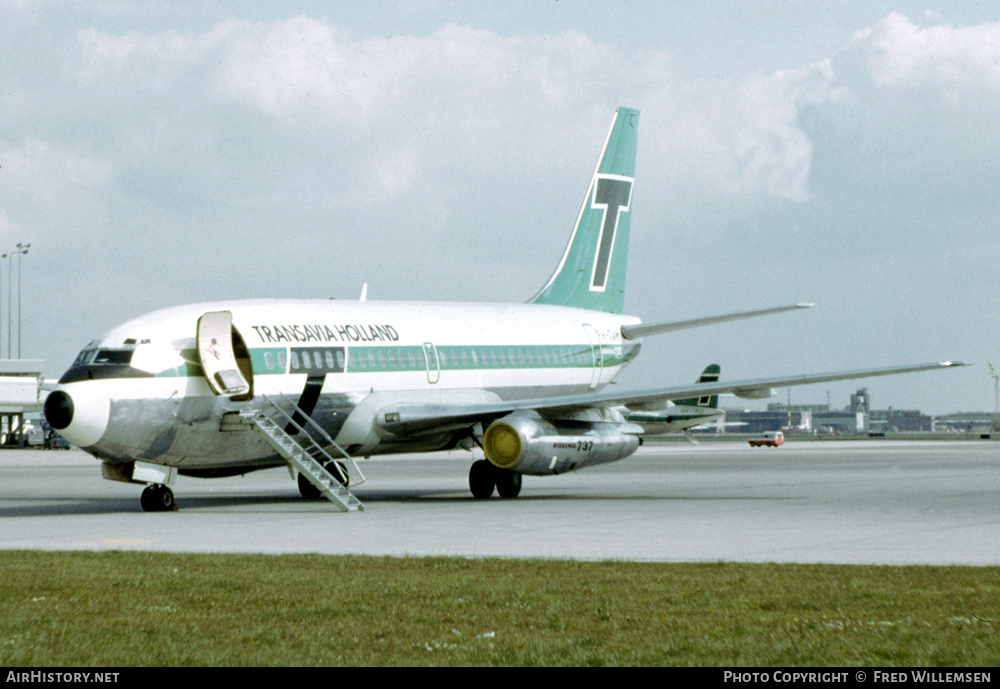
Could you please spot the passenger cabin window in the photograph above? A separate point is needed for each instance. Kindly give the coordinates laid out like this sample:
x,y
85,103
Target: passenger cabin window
x,y
325,359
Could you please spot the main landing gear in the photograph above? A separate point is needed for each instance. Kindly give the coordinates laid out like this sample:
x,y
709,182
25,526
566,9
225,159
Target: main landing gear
x,y
484,478
158,498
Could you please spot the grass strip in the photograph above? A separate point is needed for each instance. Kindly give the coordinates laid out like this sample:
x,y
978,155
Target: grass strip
x,y
165,609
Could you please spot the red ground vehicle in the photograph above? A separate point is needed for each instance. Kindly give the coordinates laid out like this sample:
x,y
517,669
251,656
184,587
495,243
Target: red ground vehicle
x,y
769,439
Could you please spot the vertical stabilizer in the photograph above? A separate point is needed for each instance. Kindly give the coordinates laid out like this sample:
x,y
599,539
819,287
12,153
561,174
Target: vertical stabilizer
x,y
591,274
709,375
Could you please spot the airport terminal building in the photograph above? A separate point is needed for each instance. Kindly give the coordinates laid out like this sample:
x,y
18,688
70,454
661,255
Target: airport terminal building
x,y
857,418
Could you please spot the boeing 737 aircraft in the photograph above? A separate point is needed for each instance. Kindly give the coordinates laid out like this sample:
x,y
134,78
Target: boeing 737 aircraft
x,y
221,389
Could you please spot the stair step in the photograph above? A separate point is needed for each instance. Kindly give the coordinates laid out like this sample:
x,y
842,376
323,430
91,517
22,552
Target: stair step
x,y
304,453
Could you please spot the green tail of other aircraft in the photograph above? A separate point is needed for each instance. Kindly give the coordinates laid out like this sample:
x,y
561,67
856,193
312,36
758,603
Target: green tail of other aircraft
x,y
591,274
709,375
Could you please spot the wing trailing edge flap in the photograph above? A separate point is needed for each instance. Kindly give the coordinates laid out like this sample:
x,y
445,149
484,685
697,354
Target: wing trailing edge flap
x,y
407,420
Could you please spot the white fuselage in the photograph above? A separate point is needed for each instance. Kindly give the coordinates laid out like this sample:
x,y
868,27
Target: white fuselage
x,y
141,393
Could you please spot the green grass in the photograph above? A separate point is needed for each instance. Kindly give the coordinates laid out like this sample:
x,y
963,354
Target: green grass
x,y
157,609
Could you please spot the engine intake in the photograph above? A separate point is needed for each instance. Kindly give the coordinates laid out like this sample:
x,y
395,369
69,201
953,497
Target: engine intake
x,y
539,447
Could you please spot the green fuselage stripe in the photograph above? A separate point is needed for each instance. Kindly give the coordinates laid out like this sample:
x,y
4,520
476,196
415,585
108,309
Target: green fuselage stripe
x,y
323,360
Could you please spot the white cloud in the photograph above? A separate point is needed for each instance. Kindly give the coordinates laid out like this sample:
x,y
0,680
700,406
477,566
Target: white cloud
x,y
300,64
156,56
462,103
909,124
306,65
45,173
713,143
904,53
414,105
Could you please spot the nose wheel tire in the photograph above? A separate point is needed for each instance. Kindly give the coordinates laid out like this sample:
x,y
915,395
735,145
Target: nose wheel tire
x,y
157,498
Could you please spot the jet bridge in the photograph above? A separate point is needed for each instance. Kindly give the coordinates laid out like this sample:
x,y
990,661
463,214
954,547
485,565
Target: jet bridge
x,y
20,393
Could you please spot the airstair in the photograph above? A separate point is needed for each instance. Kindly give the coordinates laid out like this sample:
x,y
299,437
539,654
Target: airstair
x,y
294,436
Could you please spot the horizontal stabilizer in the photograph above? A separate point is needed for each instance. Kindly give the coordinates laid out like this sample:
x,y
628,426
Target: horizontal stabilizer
x,y
633,332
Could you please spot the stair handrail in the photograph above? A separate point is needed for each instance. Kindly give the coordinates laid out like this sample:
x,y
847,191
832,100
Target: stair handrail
x,y
319,429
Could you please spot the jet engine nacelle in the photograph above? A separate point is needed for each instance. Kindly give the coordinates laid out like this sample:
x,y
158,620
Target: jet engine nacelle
x,y
539,447
754,393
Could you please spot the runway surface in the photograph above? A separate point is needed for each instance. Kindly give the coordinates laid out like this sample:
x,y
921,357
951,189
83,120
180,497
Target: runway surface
x,y
879,502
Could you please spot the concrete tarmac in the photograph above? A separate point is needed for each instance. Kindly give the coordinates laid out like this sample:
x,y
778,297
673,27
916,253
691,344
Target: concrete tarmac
x,y
875,502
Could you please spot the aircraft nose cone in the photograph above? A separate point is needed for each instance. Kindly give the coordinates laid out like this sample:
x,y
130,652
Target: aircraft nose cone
x,y
79,412
59,410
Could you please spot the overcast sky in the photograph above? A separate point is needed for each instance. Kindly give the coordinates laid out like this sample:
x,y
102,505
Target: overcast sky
x,y
842,153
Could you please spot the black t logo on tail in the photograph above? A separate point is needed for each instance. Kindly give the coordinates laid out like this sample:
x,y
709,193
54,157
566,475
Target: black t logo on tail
x,y
613,195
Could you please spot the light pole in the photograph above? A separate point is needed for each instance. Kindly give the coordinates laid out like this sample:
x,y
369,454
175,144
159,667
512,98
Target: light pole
x,y
21,250
1,305
8,257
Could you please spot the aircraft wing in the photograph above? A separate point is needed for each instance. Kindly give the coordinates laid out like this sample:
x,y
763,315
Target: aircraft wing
x,y
414,419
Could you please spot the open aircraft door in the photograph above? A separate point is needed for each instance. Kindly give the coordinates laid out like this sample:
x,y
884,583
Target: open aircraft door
x,y
224,357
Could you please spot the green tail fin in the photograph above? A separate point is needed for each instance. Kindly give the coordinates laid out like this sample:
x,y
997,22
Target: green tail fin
x,y
709,375
591,274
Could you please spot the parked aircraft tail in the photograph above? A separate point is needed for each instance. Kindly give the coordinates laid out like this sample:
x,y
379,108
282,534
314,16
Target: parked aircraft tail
x,y
709,375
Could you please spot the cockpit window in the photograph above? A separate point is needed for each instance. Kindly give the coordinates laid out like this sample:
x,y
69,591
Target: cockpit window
x,y
114,356
98,363
85,357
